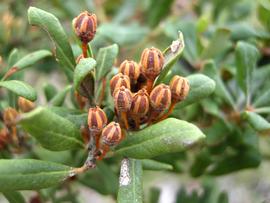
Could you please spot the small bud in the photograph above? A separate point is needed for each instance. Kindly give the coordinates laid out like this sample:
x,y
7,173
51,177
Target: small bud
x,y
25,105
97,119
85,25
152,61
131,69
118,81
10,115
111,134
160,97
140,103
122,99
179,88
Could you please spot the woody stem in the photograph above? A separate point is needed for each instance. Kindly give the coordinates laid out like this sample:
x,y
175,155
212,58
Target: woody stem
x,y
84,49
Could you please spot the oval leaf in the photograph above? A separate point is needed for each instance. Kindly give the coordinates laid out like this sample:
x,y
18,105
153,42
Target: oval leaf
x,y
84,77
52,26
105,60
257,122
201,87
153,165
30,174
59,98
246,56
51,130
170,135
20,88
171,54
31,59
130,182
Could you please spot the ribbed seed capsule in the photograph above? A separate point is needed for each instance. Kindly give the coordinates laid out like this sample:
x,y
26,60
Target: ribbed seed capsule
x,y
131,69
118,81
10,115
152,61
85,25
111,134
140,103
3,137
97,119
160,97
179,87
25,105
122,99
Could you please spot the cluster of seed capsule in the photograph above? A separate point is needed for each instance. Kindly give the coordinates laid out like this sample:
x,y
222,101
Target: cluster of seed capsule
x,y
137,101
9,133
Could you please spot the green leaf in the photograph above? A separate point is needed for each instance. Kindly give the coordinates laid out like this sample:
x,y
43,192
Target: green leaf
x,y
84,77
149,164
127,35
59,98
171,55
263,99
14,197
264,13
201,87
52,26
231,163
13,57
20,88
51,130
30,174
49,91
246,59
105,60
170,135
257,121
218,43
157,11
210,70
130,182
31,59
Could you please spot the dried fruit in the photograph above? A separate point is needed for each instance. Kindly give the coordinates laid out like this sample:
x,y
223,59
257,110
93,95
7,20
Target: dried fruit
x,y
131,69
111,134
151,63
160,98
25,105
85,25
140,104
97,120
10,115
122,99
179,87
118,81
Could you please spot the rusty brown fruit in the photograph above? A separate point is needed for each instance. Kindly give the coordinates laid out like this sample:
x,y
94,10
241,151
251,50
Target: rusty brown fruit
x,y
25,105
122,99
179,87
131,69
111,134
97,119
118,81
160,97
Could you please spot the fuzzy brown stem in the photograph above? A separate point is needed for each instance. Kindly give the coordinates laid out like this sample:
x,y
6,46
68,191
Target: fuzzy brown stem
x,y
124,119
84,49
164,116
149,86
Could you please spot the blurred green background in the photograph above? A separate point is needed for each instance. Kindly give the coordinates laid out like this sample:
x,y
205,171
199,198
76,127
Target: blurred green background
x,y
136,24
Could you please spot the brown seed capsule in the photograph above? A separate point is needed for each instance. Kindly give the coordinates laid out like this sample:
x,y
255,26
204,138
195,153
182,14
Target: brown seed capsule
x,y
25,105
179,88
111,134
118,81
122,99
3,137
10,115
152,61
97,119
85,25
140,103
160,97
131,69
